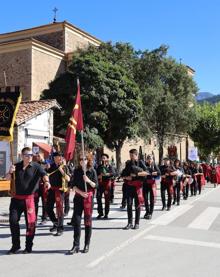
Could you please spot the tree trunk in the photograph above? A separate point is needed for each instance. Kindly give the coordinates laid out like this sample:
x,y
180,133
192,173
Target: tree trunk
x,y
160,152
118,156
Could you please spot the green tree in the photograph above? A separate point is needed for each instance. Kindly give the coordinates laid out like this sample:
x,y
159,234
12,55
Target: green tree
x,y
110,97
168,96
206,131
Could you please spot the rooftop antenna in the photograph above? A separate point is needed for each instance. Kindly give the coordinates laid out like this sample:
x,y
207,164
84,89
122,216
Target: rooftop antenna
x,y
55,15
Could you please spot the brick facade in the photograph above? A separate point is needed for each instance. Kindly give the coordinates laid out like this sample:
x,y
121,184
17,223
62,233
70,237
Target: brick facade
x,y
18,69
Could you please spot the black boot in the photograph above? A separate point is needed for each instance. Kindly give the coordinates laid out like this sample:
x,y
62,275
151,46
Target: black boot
x,y
86,248
129,226
73,250
14,250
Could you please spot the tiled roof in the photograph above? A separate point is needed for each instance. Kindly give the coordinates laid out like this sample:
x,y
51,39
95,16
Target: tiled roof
x,y
29,109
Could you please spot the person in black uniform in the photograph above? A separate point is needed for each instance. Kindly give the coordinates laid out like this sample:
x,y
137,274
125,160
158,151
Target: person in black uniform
x,y
149,186
27,175
59,176
178,182
42,192
168,173
84,186
106,174
134,173
197,173
187,179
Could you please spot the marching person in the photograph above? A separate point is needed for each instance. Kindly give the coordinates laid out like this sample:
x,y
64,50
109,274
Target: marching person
x,y
84,185
187,180
213,174
59,177
113,181
199,176
27,174
168,173
42,192
150,187
134,173
106,174
178,182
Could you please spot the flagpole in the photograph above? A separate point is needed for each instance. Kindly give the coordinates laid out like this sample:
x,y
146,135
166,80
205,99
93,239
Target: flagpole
x,y
83,154
12,184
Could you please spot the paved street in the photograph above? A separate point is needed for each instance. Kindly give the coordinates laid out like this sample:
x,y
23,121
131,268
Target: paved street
x,y
182,242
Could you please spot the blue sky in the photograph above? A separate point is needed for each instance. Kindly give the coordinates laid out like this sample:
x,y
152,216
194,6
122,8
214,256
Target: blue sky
x,y
190,27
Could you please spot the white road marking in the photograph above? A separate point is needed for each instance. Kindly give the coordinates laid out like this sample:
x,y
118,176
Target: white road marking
x,y
170,216
120,247
183,241
205,219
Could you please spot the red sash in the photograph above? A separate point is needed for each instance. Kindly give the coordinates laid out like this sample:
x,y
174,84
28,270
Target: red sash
x,y
200,179
59,201
31,213
107,187
153,185
218,174
87,202
113,183
213,176
138,185
168,183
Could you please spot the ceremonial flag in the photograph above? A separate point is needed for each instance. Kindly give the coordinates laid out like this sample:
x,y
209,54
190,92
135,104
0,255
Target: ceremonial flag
x,y
9,104
75,123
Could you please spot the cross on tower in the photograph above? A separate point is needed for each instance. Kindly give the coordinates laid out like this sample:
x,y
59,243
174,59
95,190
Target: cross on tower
x,y
55,15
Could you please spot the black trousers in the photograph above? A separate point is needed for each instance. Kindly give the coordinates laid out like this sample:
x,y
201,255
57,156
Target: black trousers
x,y
100,192
166,188
17,207
132,196
50,209
66,202
124,194
148,198
77,216
194,188
186,191
199,186
176,192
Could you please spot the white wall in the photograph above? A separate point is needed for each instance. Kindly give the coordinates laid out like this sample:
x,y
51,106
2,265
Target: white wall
x,y
38,129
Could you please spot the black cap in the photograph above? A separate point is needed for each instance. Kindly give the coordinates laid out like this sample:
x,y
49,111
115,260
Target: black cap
x,y
57,154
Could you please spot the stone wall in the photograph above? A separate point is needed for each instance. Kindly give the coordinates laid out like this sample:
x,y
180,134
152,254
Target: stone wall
x,y
73,41
17,66
45,68
55,39
148,148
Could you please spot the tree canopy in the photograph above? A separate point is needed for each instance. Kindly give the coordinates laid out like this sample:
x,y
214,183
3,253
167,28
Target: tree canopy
x,y
168,96
125,94
110,97
206,131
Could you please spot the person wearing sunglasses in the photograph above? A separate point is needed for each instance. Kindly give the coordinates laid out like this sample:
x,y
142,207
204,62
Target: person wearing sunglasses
x,y
83,182
27,174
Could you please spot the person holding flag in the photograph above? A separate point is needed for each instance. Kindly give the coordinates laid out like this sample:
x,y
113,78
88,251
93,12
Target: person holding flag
x,y
84,185
84,179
